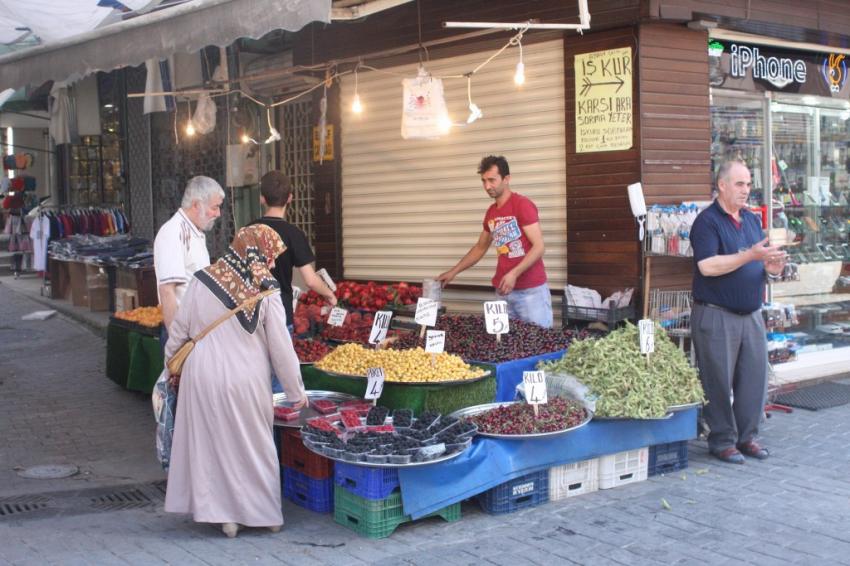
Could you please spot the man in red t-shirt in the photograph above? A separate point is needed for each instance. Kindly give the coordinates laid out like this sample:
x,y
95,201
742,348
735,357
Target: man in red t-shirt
x,y
512,225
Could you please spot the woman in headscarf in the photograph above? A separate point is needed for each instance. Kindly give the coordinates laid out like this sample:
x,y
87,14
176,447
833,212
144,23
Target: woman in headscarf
x,y
224,466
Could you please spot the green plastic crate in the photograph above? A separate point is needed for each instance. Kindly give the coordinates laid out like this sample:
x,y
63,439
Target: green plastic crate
x,y
378,518
443,399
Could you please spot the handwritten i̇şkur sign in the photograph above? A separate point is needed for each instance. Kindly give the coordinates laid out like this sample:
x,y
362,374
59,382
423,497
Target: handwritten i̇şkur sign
x,y
603,83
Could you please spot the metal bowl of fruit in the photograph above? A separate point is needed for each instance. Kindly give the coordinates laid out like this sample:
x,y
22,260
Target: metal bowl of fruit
x,y
516,420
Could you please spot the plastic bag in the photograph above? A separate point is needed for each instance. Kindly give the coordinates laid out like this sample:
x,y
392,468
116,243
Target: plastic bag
x,y
204,118
566,385
164,400
424,114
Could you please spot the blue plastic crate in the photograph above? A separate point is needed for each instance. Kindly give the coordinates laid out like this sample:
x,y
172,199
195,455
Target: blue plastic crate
x,y
315,495
525,491
369,483
668,458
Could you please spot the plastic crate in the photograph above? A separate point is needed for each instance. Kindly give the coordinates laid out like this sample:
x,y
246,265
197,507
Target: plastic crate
x,y
623,468
294,455
611,317
525,491
573,479
315,495
365,482
667,458
378,518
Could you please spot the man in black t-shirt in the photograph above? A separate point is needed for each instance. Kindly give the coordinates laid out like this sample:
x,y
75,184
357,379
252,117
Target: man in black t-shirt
x,y
275,196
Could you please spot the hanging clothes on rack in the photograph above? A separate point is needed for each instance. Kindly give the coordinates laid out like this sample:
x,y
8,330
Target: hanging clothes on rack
x,y
40,236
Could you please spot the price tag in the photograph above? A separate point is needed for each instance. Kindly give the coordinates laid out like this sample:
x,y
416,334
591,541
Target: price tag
x,y
646,328
323,273
375,383
380,326
426,312
496,317
337,317
535,387
435,341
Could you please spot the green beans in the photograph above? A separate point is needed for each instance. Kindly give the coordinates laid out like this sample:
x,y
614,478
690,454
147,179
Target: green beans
x,y
614,370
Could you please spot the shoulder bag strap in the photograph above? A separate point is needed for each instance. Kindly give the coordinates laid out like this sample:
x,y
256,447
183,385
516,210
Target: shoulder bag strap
x,y
248,303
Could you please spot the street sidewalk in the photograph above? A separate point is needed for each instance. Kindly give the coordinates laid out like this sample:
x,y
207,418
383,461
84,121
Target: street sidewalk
x,y
56,406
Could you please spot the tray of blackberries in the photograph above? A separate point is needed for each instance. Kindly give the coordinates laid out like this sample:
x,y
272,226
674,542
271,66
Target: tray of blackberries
x,y
385,439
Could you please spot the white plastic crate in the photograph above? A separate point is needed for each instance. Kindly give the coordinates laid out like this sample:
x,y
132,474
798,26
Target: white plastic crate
x,y
573,479
623,468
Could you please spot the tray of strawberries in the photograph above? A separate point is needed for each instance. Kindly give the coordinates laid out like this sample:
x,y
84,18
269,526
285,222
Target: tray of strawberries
x,y
321,403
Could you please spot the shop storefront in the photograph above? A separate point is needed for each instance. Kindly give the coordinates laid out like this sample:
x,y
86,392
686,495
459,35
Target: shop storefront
x,y
786,113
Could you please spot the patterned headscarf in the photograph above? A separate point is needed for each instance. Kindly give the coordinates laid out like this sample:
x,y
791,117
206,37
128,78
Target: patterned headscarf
x,y
243,271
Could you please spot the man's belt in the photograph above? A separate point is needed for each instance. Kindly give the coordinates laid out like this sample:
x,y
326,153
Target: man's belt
x,y
712,305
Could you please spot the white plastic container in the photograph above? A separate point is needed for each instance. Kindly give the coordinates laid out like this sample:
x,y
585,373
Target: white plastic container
x,y
573,479
623,468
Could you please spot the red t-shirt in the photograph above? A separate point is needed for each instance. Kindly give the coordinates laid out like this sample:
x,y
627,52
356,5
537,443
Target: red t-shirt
x,y
505,226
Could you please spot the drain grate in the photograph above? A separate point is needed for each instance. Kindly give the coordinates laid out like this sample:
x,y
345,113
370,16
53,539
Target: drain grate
x,y
17,505
131,499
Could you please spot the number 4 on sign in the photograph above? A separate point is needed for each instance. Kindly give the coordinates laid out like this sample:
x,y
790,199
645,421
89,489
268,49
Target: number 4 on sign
x,y
374,384
535,388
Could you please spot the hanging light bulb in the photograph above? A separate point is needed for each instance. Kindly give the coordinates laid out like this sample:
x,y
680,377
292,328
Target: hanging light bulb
x,y
190,127
474,112
444,123
519,75
356,106
245,138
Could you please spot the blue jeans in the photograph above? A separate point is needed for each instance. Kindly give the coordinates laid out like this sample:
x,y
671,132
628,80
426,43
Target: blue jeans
x,y
531,305
276,386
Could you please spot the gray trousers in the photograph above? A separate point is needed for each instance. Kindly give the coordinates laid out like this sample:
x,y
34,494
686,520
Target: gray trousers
x,y
731,353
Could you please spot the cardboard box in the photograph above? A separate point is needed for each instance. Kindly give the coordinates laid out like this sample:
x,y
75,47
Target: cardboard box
x,y
98,298
79,286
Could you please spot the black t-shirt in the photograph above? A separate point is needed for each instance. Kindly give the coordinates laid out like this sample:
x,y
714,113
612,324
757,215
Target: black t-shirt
x,y
297,254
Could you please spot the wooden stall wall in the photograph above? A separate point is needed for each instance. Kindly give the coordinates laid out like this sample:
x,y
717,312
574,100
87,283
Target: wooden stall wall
x,y
825,22
675,128
602,247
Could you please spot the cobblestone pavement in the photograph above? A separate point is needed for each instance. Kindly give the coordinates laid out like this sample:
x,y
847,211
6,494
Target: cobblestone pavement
x,y
792,508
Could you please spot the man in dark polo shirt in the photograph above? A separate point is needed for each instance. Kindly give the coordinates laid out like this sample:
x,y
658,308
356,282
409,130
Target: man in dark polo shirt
x,y
732,259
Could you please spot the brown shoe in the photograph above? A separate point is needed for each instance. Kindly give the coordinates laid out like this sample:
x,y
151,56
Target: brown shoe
x,y
729,455
752,449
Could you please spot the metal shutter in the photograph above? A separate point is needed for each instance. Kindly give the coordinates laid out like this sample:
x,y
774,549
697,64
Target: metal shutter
x,y
412,208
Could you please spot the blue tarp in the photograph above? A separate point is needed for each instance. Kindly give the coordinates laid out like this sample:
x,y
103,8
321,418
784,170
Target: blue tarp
x,y
509,374
490,461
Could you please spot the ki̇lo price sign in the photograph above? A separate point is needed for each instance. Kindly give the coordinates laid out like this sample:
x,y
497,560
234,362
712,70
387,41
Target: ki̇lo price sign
x,y
535,388
374,384
646,331
496,318
380,326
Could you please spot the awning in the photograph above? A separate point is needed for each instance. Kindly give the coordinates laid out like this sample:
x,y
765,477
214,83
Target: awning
x,y
185,28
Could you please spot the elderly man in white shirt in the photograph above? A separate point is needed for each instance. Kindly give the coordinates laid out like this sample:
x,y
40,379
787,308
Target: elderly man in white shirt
x,y
180,248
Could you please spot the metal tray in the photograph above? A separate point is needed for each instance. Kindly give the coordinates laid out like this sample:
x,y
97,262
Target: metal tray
x,y
436,460
309,412
478,409
664,418
684,406
407,383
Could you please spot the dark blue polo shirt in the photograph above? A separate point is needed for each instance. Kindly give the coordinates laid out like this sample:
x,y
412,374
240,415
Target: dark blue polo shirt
x,y
715,233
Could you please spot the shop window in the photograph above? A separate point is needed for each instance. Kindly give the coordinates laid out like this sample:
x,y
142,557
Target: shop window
x,y
95,164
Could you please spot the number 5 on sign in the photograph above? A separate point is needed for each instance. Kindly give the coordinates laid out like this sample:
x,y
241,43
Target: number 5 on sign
x,y
374,384
496,317
646,328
